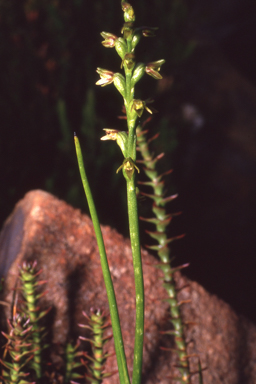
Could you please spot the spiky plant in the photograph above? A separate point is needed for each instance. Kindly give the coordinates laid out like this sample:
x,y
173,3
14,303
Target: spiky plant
x,y
98,322
73,356
30,306
19,350
161,220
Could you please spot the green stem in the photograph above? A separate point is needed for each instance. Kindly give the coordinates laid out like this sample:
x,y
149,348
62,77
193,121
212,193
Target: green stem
x,y
134,231
128,76
118,339
138,277
131,123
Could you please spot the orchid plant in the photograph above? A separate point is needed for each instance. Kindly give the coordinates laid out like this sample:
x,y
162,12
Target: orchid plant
x,y
23,358
125,83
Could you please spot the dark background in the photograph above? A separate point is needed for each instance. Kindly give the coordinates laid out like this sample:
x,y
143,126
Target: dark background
x,y
49,51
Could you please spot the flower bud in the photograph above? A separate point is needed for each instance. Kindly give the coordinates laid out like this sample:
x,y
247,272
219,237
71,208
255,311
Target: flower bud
x,y
135,40
129,15
138,73
121,47
119,82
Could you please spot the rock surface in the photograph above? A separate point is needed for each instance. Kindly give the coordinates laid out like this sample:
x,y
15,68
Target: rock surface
x,y
62,241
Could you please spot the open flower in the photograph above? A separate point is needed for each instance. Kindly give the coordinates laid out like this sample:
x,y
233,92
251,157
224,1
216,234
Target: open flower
x,y
111,134
139,105
121,138
153,69
129,167
106,77
109,39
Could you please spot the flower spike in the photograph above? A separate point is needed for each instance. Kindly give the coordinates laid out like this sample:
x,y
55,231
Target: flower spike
x,y
134,108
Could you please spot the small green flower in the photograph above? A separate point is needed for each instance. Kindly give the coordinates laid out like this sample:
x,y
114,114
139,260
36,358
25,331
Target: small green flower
x,y
106,77
153,69
139,105
109,39
129,60
129,167
127,30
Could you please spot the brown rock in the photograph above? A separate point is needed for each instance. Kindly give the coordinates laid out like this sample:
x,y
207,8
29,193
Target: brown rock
x,y
62,241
